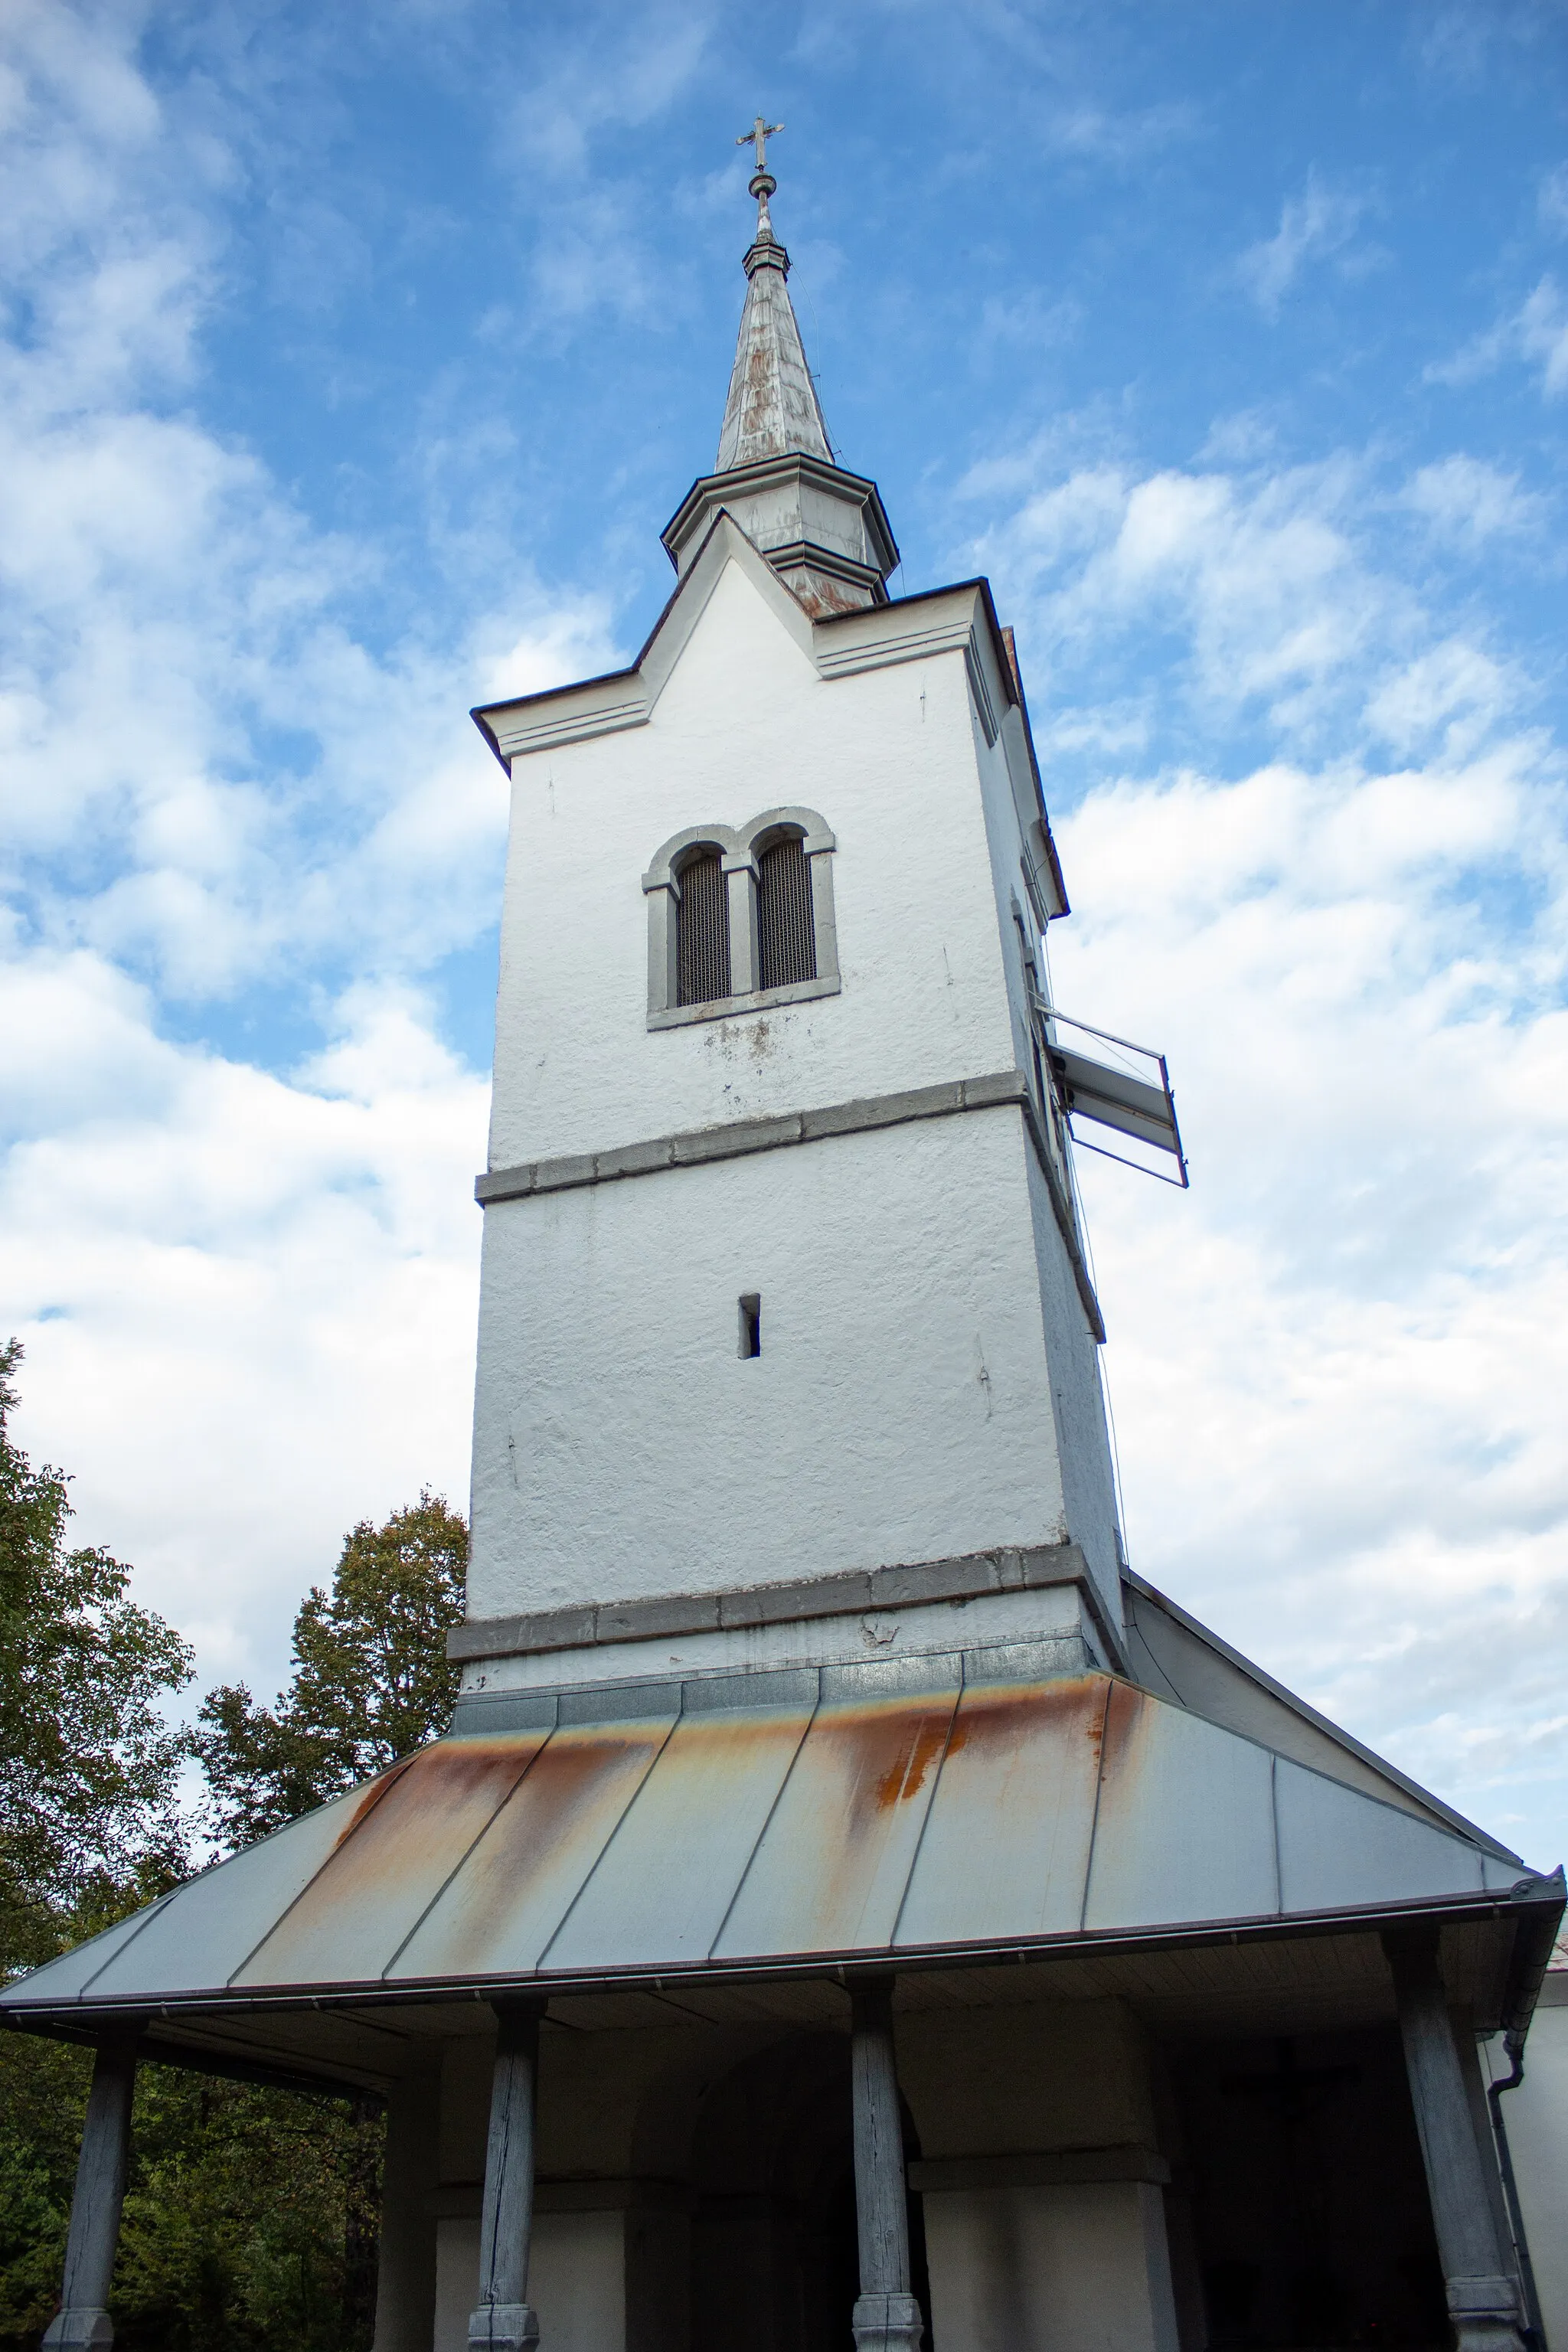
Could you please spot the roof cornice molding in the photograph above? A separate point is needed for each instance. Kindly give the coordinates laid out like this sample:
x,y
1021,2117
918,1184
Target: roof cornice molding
x,y
957,619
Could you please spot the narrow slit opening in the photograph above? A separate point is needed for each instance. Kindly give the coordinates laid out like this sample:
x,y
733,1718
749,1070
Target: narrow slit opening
x,y
751,1323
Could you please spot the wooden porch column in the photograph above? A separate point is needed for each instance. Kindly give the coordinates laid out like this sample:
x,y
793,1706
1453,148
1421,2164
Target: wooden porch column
x,y
82,2323
503,2322
887,2318
1483,2299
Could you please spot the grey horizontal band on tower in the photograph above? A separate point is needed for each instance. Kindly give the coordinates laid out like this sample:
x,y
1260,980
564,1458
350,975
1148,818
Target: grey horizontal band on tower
x,y
1011,1568
1004,1089
739,1137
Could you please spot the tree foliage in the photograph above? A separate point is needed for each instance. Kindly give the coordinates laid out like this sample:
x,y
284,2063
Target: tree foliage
x,y
251,2215
90,1815
371,1679
250,2220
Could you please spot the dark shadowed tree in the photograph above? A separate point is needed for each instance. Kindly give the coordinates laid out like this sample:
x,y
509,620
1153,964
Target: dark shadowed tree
x,y
370,1680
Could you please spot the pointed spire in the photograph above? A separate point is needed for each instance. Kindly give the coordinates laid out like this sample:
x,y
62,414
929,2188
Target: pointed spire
x,y
773,409
825,531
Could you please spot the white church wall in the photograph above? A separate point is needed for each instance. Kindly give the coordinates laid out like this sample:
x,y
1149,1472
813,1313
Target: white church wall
x,y
1082,2268
1082,1441
608,1389
457,2282
576,2281
1025,2077
1083,1435
745,724
1030,2264
1535,2116
899,1409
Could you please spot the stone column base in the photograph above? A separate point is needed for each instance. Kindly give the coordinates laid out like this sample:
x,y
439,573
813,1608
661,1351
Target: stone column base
x,y
84,2329
887,2323
1485,2312
503,2327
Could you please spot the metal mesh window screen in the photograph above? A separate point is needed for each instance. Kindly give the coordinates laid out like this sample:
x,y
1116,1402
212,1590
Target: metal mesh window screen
x,y
787,932
703,931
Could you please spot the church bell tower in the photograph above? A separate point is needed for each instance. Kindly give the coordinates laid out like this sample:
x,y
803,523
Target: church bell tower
x,y
846,1901
787,1344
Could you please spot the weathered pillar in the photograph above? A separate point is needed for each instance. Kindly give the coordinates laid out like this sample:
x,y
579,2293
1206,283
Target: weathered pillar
x,y
82,2320
503,2322
1483,2299
887,2317
406,2265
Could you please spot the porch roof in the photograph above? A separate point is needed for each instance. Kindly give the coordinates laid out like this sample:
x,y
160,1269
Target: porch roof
x,y
740,1829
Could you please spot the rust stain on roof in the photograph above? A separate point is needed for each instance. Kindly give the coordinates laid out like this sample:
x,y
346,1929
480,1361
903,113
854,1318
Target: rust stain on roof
x,y
922,1740
538,1851
999,1714
1124,1730
397,1855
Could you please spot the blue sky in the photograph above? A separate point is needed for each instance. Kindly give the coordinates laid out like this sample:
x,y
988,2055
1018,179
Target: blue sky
x,y
350,363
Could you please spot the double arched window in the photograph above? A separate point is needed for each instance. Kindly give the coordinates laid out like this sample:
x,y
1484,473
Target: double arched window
x,y
741,918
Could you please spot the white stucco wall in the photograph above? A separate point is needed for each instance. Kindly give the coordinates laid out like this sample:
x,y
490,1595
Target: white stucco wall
x,y
576,2282
901,1409
914,1283
1079,2269
1078,1402
1535,2117
745,724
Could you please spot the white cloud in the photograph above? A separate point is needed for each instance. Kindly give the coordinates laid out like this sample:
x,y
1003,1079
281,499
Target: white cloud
x,y
1552,201
1257,575
246,1289
1468,501
1320,225
591,95
1535,334
247,1300
1453,693
191,687
1337,1363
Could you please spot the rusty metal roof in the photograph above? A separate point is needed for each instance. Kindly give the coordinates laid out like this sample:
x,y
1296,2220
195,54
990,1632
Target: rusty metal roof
x,y
925,1808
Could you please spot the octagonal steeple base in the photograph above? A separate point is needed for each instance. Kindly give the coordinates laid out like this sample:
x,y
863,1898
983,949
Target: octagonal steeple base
x,y
824,530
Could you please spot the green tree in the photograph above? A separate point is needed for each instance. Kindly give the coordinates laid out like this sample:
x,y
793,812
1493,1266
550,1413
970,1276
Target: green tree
x,y
251,2221
89,1822
370,1680
90,1815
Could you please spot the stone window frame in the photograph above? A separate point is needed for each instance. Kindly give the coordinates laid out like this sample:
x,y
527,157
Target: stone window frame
x,y
739,847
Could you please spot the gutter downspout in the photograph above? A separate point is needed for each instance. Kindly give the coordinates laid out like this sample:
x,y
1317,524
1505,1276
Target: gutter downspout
x,y
1514,2042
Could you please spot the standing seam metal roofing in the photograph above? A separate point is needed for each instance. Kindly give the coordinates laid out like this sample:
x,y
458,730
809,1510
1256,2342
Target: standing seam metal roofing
x,y
947,1804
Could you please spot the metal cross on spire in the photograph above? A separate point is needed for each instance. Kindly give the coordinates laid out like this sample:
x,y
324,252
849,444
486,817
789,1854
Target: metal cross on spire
x,y
762,182
758,136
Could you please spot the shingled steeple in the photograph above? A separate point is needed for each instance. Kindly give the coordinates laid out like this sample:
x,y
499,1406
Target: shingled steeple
x,y
823,530
773,409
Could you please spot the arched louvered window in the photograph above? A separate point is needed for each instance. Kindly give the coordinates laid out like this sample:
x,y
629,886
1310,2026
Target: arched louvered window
x,y
739,918
787,932
702,930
